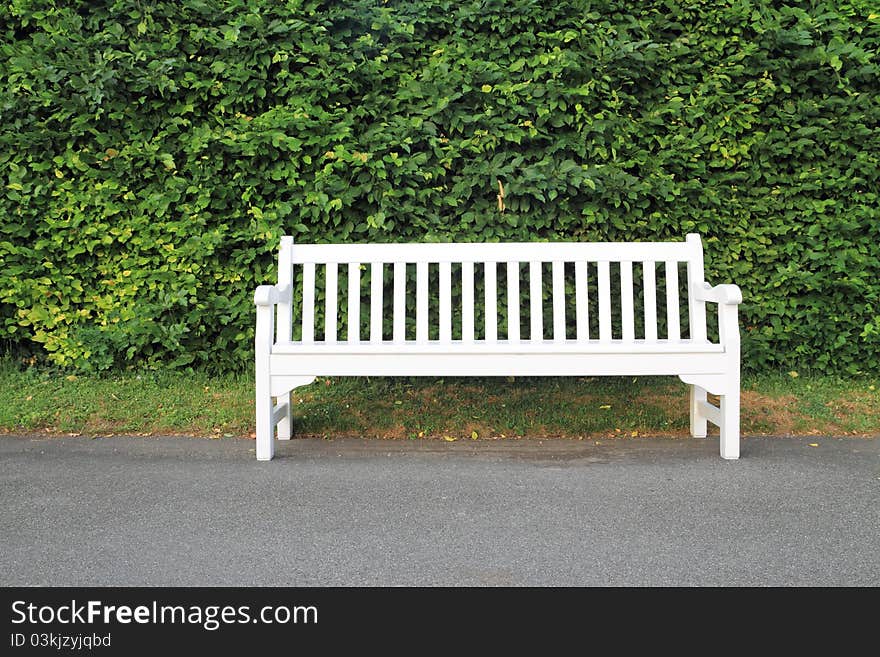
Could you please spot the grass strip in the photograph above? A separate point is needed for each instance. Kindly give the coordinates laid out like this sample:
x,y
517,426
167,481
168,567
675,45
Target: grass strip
x,y
165,402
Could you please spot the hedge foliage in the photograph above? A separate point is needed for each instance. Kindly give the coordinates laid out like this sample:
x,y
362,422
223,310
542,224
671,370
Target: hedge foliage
x,y
152,153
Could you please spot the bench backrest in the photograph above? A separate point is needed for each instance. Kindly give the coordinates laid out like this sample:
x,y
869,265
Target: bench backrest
x,y
501,291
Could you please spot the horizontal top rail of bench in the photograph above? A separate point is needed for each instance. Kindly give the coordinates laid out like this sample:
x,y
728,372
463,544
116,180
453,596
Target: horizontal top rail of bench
x,y
461,252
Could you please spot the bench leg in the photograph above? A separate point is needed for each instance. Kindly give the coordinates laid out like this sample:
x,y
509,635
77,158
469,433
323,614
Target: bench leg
x,y
730,425
265,424
285,424
699,424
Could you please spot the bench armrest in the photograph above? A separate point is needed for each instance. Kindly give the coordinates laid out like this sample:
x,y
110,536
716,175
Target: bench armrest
x,y
723,294
269,295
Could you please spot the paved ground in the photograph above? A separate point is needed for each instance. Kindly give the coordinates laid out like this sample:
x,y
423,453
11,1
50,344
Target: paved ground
x,y
178,511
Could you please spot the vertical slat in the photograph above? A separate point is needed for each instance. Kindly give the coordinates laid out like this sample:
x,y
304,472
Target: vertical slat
x,y
399,319
696,311
650,286
513,301
445,332
536,301
308,311
491,302
354,302
626,300
695,274
672,316
559,301
285,277
604,300
696,308
467,301
422,302
581,297
330,300
376,304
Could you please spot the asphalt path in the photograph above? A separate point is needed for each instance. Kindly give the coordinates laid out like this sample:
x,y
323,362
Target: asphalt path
x,y
348,512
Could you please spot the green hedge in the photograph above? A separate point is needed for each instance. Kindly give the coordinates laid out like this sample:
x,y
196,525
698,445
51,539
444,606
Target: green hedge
x,y
151,154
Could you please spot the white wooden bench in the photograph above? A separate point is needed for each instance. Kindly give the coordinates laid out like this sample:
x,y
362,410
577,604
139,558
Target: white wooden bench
x,y
609,327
